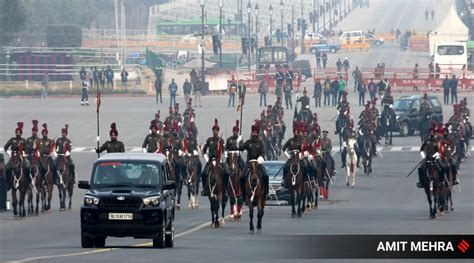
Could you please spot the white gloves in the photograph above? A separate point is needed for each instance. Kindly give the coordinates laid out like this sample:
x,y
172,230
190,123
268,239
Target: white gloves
x,y
206,157
306,153
260,160
311,157
287,154
265,132
423,155
97,138
54,154
239,139
436,155
319,152
391,106
180,153
144,150
9,152
195,152
226,153
68,153
344,144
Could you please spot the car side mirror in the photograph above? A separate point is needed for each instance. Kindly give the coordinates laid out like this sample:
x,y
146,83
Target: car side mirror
x,y
84,185
169,186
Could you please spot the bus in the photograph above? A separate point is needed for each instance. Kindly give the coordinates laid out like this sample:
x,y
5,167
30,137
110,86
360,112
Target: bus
x,y
450,55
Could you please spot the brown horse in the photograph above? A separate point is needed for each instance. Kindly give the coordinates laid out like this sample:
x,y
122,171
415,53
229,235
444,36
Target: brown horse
x,y
19,183
65,183
255,195
37,185
446,184
191,179
215,189
431,186
295,183
234,185
49,182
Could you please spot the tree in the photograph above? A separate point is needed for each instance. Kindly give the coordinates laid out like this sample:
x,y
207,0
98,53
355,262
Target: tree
x,y
12,20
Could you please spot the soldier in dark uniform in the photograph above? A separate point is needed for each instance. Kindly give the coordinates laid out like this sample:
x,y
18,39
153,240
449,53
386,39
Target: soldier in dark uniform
x,y
289,77
63,146
446,150
189,113
326,148
177,147
293,144
159,123
31,145
114,145
348,133
177,115
374,117
233,144
190,147
344,111
304,100
255,151
170,117
388,98
277,108
279,77
46,148
213,150
15,146
428,151
166,140
152,141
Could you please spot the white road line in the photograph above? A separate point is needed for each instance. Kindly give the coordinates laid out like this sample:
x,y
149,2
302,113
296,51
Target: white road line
x,y
396,148
103,250
136,149
78,149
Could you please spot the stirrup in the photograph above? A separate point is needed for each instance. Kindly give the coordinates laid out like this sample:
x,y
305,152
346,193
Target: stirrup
x,y
419,185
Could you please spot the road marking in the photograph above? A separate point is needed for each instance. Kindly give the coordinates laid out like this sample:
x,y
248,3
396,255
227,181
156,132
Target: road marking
x,y
78,149
103,250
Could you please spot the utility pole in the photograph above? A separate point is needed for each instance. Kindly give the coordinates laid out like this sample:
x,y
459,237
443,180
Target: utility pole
x,y
256,29
292,27
203,76
303,27
270,10
281,22
124,36
220,32
249,12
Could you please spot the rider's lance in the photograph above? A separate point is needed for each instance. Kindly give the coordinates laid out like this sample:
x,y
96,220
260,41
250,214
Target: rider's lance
x,y
415,167
98,118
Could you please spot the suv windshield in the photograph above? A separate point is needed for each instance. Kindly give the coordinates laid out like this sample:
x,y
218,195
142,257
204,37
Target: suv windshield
x,y
401,105
126,173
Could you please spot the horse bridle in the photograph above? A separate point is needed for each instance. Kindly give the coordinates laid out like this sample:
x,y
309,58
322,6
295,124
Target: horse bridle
x,y
249,180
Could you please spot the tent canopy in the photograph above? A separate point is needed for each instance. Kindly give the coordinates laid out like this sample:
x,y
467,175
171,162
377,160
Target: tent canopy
x,y
451,29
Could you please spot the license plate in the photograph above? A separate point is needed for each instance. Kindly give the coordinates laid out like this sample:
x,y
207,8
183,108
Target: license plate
x,y
120,216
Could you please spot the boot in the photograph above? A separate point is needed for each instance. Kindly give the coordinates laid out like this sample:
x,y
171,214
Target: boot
x,y
72,171
56,176
419,184
8,180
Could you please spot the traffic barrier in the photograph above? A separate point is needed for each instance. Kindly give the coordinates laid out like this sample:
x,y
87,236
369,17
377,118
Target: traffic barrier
x,y
419,45
355,46
387,37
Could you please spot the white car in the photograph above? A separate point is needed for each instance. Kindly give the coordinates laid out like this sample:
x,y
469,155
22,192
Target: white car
x,y
311,35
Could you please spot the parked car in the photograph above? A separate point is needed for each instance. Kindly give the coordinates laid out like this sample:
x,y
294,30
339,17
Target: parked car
x,y
374,40
314,36
304,67
326,46
407,110
129,195
275,174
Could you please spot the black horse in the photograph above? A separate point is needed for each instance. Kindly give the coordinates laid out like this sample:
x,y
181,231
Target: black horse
x,y
342,123
388,121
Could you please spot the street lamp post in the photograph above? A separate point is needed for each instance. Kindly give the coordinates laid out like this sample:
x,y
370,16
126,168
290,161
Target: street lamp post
x,y
203,76
302,27
221,4
281,22
249,11
256,29
324,16
270,10
292,27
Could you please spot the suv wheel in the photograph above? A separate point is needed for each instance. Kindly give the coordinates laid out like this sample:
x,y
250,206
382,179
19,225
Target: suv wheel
x,y
404,129
86,242
169,237
99,242
159,242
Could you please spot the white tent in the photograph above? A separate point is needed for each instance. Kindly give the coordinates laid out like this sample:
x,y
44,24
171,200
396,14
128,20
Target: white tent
x,y
451,29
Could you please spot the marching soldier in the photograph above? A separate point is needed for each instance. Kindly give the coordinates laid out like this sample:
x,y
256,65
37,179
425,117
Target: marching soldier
x,y
166,140
233,144
425,107
304,100
15,146
278,108
158,122
255,151
213,150
114,145
63,146
315,126
152,141
189,113
46,148
169,120
177,115
289,77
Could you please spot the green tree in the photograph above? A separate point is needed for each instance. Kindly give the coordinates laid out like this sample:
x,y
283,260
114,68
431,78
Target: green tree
x,y
12,20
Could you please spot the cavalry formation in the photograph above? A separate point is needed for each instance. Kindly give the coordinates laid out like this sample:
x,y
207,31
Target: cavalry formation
x,y
37,164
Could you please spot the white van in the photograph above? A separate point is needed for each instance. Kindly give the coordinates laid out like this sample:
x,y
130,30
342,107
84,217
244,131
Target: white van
x,y
450,55
355,36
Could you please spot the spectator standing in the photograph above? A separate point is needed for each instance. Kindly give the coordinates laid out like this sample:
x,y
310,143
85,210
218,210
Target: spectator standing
x,y
334,90
90,74
109,76
362,90
197,93
339,65
346,64
342,87
446,90
232,91
318,90
453,86
327,91
158,89
357,75
173,89
124,78
325,59
187,88
83,73
262,90
45,82
85,93
242,90
416,71
102,77
96,77
372,87
318,59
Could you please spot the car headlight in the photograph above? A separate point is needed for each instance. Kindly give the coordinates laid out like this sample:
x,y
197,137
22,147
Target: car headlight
x,y
151,201
91,201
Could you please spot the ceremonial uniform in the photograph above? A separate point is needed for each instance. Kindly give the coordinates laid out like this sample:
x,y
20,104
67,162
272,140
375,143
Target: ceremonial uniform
x,y
292,146
348,134
429,150
15,147
344,111
45,148
326,148
232,144
114,145
63,146
304,100
151,143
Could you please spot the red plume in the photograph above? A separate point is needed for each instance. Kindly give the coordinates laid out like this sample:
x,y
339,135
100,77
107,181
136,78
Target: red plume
x,y
20,125
45,125
113,126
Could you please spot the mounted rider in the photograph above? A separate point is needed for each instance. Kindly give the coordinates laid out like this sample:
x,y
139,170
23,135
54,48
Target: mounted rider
x,y
152,141
114,145
46,148
233,145
15,147
255,151
344,110
428,151
446,151
191,148
213,151
189,113
63,146
304,100
374,115
348,134
170,119
326,148
31,145
315,126
292,146
158,122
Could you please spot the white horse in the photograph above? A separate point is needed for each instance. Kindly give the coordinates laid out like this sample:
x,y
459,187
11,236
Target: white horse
x,y
351,159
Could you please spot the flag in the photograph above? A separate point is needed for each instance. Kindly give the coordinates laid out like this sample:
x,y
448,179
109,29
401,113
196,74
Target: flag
x,y
98,101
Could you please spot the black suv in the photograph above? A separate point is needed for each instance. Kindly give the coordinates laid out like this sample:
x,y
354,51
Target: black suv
x,y
130,195
407,109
